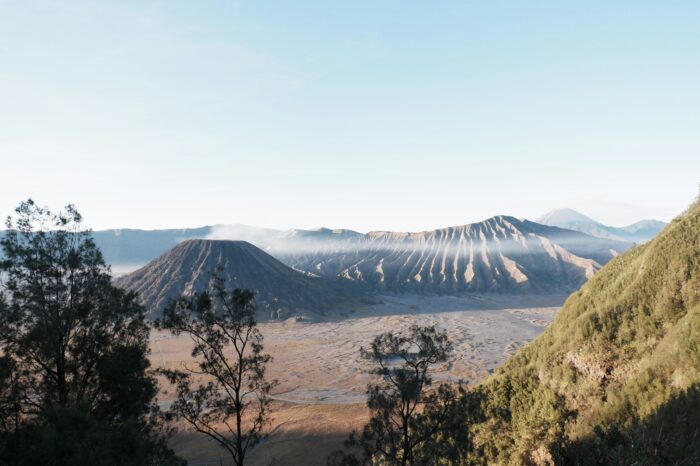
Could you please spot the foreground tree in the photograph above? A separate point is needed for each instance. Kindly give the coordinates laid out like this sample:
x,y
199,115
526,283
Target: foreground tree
x,y
74,381
10,398
229,401
411,423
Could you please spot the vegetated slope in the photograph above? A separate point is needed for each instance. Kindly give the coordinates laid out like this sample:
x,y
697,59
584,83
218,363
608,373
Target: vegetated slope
x,y
615,378
187,268
501,254
638,232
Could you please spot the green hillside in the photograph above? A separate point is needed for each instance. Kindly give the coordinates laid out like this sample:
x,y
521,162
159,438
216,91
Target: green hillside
x,y
616,378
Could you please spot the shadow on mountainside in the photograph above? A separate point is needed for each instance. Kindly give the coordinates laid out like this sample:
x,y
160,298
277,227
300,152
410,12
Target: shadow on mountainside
x,y
670,436
303,444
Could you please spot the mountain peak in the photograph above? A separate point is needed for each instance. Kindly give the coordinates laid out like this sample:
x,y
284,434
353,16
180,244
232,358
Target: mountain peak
x,y
501,254
645,224
639,232
564,215
188,268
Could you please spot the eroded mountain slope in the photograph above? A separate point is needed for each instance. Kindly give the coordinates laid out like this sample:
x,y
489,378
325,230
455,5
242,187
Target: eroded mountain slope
x,y
188,267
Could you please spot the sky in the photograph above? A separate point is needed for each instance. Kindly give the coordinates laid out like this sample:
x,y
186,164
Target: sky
x,y
391,115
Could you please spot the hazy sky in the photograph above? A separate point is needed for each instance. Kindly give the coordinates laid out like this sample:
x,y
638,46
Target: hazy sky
x,y
368,115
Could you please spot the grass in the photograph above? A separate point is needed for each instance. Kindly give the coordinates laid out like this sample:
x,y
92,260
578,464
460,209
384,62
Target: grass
x,y
622,351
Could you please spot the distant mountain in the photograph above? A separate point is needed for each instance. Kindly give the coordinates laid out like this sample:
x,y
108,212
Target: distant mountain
x,y
499,255
126,248
130,247
136,247
617,372
639,232
186,268
645,229
502,254
564,216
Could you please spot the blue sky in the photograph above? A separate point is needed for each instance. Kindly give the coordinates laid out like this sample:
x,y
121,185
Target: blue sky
x,y
366,115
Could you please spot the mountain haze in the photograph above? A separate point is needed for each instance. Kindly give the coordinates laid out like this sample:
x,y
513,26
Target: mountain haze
x,y
131,248
136,247
638,232
502,254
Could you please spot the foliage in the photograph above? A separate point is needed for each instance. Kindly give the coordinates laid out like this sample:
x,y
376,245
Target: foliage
x,y
410,424
232,406
621,353
70,341
75,436
671,436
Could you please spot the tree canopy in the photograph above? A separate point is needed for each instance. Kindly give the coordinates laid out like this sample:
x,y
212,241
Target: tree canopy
x,y
74,372
411,422
224,397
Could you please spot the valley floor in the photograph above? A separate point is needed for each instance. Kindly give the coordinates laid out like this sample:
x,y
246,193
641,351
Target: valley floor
x,y
320,396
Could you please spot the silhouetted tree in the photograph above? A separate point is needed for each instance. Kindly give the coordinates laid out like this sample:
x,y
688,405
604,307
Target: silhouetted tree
x,y
410,424
231,404
10,398
74,347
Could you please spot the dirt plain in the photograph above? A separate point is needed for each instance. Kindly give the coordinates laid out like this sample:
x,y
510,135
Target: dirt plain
x,y
320,397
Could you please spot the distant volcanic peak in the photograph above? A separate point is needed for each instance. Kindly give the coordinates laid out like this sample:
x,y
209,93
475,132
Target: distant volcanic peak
x,y
499,254
565,215
213,252
645,224
637,232
188,268
215,243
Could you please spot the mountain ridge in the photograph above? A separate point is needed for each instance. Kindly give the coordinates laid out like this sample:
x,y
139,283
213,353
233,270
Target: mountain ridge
x,y
638,232
500,254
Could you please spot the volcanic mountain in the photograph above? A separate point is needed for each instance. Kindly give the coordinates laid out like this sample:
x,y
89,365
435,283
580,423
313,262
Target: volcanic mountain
x,y
128,249
187,268
501,254
638,232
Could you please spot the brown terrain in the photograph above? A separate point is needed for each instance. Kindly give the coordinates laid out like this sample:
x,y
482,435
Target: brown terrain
x,y
320,396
